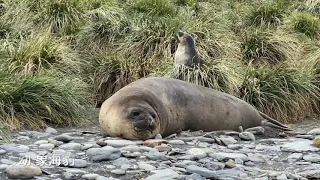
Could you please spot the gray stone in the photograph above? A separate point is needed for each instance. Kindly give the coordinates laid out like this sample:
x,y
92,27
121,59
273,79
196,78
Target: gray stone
x,y
14,148
315,131
312,158
310,174
230,164
70,146
194,176
47,146
226,140
248,136
51,130
118,172
282,177
215,165
299,146
7,161
225,156
55,142
41,142
64,138
37,135
295,156
68,175
202,171
2,151
156,155
22,171
120,161
197,152
234,146
75,171
176,142
104,153
105,178
255,157
90,176
119,143
228,173
145,166
163,174
4,166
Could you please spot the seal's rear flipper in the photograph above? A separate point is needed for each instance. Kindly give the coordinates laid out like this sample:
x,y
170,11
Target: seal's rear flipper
x,y
273,121
271,124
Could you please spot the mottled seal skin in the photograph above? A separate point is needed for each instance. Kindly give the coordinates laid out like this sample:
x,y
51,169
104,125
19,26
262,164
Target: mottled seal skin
x,y
161,105
186,53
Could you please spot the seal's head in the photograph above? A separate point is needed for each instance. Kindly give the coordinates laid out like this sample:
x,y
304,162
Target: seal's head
x,y
129,117
184,38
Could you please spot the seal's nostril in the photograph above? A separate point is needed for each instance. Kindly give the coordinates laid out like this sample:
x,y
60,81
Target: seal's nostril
x,y
152,124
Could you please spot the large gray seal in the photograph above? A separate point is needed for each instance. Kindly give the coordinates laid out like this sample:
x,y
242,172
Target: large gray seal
x,y
186,52
161,105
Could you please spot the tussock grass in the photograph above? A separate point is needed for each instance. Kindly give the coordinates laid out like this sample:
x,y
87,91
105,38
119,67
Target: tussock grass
x,y
310,6
306,23
283,93
107,73
36,53
61,16
153,7
35,101
107,25
16,21
269,46
213,76
149,38
267,15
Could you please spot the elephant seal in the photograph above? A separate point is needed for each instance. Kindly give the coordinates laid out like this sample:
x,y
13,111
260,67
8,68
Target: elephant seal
x,y
186,53
162,105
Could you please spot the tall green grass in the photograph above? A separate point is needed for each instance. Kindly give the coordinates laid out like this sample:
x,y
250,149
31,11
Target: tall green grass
x,y
283,93
35,101
307,24
270,46
37,53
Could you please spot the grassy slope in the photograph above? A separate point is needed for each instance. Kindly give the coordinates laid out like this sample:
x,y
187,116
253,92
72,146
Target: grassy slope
x,y
265,52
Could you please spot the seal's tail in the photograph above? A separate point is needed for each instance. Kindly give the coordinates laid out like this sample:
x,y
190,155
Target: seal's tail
x,y
273,123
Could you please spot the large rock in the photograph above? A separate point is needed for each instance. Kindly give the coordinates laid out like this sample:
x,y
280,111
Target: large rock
x,y
23,171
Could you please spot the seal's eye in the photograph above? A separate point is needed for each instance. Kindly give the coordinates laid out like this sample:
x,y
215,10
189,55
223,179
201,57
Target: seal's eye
x,y
180,33
153,115
135,113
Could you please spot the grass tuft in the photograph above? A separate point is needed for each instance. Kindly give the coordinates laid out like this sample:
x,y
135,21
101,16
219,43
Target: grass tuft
x,y
107,25
107,73
154,7
259,46
37,53
61,16
35,101
306,23
211,77
283,93
269,15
